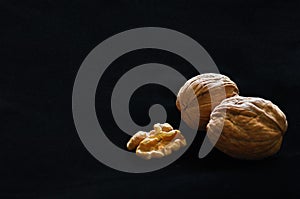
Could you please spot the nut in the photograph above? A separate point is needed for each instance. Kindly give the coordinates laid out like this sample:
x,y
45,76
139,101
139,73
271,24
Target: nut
x,y
157,143
136,139
202,86
253,127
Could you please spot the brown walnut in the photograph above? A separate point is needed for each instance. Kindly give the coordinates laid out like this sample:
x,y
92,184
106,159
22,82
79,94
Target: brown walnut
x,y
253,127
202,87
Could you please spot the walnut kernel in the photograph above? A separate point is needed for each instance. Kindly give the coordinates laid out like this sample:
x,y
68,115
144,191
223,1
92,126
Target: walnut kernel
x,y
157,143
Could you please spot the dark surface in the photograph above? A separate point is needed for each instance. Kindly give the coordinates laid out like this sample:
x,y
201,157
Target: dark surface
x,y
42,46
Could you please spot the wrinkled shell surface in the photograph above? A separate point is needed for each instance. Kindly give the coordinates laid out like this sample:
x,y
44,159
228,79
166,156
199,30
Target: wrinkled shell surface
x,y
253,127
157,143
202,86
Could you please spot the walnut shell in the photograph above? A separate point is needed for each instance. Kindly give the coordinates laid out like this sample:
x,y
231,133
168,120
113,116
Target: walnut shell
x,y
253,127
203,86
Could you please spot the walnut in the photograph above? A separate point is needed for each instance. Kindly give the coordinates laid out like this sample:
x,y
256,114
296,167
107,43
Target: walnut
x,y
157,143
253,127
202,86
136,139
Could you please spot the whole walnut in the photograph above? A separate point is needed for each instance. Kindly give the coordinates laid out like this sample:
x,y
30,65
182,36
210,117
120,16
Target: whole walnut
x,y
202,87
253,127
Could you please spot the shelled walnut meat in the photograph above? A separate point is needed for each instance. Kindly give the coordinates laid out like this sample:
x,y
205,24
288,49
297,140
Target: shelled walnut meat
x,y
202,87
157,143
253,127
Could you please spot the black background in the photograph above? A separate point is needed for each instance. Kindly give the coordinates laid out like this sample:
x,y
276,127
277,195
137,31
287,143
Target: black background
x,y
42,45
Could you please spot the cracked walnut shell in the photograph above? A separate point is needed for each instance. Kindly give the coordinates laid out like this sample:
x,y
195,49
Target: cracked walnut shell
x,y
253,127
157,143
203,87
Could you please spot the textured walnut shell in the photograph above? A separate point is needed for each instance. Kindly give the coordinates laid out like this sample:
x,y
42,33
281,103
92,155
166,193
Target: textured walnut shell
x,y
203,86
253,127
